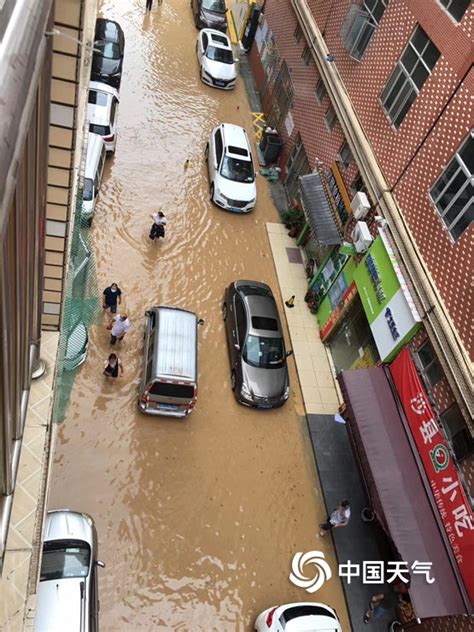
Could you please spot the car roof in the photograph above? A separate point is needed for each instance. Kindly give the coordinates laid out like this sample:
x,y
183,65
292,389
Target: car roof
x,y
59,605
236,136
107,29
63,524
176,338
100,114
95,142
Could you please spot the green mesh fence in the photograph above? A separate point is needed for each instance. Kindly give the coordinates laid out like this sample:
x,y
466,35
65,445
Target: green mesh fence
x,y
81,309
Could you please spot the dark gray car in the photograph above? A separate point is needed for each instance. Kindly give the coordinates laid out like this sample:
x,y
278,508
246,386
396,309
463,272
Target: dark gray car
x,y
209,14
259,372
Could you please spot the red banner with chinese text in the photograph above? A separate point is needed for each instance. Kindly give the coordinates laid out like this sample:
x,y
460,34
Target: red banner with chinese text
x,y
449,495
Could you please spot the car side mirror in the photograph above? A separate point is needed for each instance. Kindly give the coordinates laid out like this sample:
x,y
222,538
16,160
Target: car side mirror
x,y
289,353
100,563
96,192
200,321
236,346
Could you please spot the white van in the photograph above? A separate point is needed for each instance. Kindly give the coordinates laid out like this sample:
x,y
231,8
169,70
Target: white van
x,y
169,381
94,169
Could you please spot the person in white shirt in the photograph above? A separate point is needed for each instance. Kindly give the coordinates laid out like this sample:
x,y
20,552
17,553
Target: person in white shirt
x,y
120,325
158,228
338,518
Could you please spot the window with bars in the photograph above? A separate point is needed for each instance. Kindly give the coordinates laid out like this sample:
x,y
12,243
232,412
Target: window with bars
x,y
428,364
297,33
330,118
345,155
306,55
409,75
453,191
360,25
320,91
456,8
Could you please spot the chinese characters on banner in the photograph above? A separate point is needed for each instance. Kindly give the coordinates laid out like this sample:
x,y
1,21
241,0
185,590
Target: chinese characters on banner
x,y
449,495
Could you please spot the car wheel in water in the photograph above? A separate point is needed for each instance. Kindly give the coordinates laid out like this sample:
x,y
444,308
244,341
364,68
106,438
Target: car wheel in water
x,y
211,193
206,152
233,380
224,311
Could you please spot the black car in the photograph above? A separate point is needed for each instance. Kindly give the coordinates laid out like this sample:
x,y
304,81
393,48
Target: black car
x,y
209,14
259,371
109,46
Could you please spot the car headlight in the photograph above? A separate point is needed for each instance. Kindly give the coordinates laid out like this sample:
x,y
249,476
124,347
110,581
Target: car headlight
x,y
244,389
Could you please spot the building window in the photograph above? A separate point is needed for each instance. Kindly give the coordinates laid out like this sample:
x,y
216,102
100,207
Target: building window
x,y
320,91
345,155
453,191
360,25
330,119
297,34
428,364
411,72
306,55
456,8
458,434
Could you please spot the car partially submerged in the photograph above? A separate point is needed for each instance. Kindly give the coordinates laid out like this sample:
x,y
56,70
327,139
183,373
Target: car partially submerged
x,y
216,59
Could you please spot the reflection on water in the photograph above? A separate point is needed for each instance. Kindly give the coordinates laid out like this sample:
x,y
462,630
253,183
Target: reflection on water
x,y
198,519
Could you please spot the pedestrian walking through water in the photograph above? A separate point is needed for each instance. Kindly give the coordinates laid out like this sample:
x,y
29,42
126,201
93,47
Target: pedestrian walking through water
x,y
158,228
149,5
112,366
112,297
338,518
118,328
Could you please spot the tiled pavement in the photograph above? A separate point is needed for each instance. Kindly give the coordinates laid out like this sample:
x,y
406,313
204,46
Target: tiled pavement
x,y
316,376
25,521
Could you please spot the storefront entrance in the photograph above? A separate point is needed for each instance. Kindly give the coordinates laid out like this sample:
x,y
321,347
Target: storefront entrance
x,y
352,344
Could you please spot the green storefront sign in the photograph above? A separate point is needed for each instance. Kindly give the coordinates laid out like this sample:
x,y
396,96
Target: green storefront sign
x,y
388,305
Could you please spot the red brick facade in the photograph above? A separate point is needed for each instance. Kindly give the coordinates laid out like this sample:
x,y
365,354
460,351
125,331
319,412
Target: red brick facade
x,y
411,157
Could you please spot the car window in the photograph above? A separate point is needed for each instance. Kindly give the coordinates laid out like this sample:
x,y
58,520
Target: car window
x,y
214,5
65,559
237,170
241,319
265,353
295,612
220,38
219,145
205,41
109,50
223,55
102,130
88,188
97,98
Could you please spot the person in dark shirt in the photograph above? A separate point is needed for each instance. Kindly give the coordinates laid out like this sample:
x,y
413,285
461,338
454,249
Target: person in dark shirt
x,y
112,366
112,298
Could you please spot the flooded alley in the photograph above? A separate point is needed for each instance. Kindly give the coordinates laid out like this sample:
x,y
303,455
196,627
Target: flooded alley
x,y
198,519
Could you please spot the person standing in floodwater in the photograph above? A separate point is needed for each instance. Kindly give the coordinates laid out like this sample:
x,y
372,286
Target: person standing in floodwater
x,y
112,366
149,5
158,228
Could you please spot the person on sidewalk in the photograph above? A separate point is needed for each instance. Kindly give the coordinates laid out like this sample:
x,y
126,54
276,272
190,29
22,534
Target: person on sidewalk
x,y
112,298
338,518
118,326
112,366
158,228
374,603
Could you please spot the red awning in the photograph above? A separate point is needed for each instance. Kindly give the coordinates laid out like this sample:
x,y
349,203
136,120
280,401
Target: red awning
x,y
395,484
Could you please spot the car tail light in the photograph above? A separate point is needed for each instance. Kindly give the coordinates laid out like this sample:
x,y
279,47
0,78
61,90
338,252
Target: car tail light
x,y
109,139
269,619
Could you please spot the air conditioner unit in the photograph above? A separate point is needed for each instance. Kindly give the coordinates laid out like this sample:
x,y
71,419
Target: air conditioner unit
x,y
361,237
360,205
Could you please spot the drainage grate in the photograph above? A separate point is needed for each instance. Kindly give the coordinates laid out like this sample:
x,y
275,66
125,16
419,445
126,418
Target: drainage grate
x,y
294,255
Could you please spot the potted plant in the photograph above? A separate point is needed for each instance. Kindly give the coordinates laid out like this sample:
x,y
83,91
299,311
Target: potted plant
x,y
293,219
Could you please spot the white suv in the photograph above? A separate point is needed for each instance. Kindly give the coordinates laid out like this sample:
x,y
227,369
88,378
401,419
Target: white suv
x,y
231,172
102,112
297,617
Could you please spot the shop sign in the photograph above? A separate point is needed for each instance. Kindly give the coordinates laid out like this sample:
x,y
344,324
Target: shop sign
x,y
450,498
338,311
388,305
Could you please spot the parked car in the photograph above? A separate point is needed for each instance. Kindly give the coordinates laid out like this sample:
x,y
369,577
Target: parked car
x,y
296,617
169,380
259,371
230,166
67,596
102,112
216,59
109,48
94,169
209,14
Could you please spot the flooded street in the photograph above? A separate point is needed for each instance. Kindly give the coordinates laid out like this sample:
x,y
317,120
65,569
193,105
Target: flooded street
x,y
198,520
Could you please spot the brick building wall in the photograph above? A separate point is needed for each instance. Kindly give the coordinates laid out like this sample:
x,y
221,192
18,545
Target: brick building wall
x,y
411,157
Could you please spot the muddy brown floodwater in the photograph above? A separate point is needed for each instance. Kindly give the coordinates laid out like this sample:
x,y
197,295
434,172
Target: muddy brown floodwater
x,y
198,520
